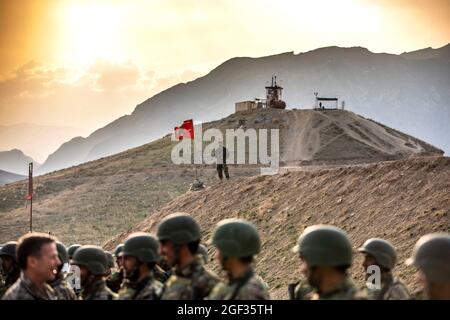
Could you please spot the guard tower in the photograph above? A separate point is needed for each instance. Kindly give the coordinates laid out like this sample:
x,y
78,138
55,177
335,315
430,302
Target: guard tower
x,y
321,100
273,95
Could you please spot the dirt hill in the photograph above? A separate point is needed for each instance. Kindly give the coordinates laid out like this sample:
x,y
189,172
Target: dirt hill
x,y
93,202
408,92
397,200
337,136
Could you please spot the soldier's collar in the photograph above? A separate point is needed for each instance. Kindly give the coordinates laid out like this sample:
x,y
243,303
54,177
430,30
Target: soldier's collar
x,y
142,282
188,270
247,275
93,287
387,278
344,286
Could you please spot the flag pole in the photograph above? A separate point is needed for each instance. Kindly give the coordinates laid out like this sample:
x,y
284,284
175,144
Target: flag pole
x,y
30,193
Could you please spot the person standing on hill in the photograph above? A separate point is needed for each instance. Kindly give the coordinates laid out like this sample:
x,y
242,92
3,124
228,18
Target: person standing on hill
x,y
221,154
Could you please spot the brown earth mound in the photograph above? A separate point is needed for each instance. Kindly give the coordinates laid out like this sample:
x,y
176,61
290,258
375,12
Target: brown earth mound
x,y
397,200
94,201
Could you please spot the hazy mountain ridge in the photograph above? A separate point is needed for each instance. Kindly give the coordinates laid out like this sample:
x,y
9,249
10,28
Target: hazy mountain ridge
x,y
37,141
8,177
16,162
376,85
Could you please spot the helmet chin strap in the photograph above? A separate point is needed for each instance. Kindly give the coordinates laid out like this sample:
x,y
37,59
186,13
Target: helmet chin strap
x,y
176,261
134,275
223,262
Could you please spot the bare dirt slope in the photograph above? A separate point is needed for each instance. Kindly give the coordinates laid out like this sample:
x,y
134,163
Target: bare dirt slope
x,y
332,136
94,201
397,200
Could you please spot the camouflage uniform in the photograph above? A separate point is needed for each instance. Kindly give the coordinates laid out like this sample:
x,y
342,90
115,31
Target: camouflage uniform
x,y
114,281
9,280
249,287
346,291
300,291
98,291
391,289
160,274
62,289
147,289
24,289
193,282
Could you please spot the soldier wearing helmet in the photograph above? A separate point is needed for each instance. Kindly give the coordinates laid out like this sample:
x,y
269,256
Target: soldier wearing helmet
x,y
93,264
179,236
62,289
110,259
325,254
115,280
237,242
71,251
140,255
381,253
10,268
431,255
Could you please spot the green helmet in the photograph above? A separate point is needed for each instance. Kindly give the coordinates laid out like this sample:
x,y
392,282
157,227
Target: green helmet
x,y
9,249
431,255
92,257
118,250
180,228
324,245
142,246
71,250
236,238
110,258
383,252
62,252
203,252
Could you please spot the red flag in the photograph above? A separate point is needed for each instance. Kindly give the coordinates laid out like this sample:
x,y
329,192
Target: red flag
x,y
30,181
186,130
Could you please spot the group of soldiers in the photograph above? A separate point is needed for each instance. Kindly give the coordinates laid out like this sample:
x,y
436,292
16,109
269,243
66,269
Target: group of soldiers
x,y
172,266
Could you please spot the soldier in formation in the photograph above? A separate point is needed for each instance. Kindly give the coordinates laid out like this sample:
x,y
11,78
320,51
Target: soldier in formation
x,y
381,254
237,242
172,266
179,236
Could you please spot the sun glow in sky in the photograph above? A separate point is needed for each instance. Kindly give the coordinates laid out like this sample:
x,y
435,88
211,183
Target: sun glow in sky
x,y
84,63
91,31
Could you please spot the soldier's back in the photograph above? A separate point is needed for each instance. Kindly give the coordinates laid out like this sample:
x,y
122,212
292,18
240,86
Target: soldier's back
x,y
9,280
193,282
98,291
347,291
396,290
253,288
147,289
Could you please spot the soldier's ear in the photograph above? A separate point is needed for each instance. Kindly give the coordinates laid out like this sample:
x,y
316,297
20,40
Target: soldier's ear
x,y
32,261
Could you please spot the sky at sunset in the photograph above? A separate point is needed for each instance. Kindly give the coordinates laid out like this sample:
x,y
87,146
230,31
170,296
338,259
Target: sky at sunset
x,y
85,63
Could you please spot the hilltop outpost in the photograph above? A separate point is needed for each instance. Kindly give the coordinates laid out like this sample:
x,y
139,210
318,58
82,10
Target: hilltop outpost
x,y
274,100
